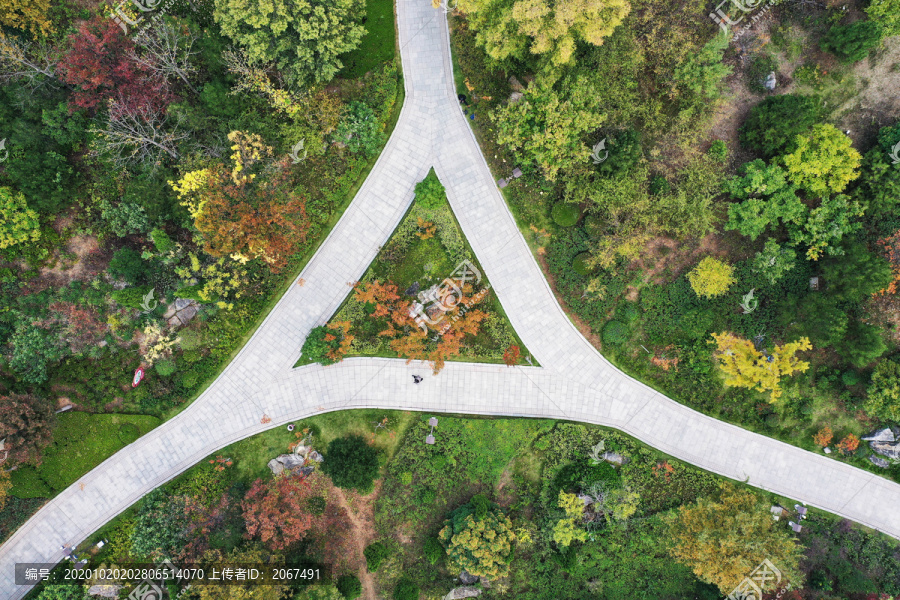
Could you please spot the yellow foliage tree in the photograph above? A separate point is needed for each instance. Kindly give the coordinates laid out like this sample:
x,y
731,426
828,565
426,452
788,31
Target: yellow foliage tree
x,y
745,366
566,529
30,15
722,541
483,546
4,486
711,277
18,223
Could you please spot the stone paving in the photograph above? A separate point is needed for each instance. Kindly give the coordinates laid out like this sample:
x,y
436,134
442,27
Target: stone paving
x,y
260,389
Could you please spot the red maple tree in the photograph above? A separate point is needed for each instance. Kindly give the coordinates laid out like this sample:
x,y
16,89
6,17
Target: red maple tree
x,y
511,356
275,511
99,66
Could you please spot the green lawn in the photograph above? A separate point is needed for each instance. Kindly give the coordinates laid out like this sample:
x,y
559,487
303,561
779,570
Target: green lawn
x,y
378,43
81,441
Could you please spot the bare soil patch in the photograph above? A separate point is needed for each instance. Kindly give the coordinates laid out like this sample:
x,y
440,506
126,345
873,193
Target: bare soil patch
x,y
360,512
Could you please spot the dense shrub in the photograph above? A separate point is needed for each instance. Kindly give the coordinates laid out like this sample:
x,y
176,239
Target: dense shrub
x,y
165,367
360,130
349,586
624,152
564,214
580,264
131,297
351,463
659,185
316,347
406,590
718,150
774,123
161,241
128,265
615,333
429,192
434,552
853,42
375,553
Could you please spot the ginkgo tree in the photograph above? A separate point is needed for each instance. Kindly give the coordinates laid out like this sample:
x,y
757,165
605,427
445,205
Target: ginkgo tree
x,y
745,366
822,162
18,223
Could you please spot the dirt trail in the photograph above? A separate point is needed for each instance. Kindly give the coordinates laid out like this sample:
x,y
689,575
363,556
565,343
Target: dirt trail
x,y
363,532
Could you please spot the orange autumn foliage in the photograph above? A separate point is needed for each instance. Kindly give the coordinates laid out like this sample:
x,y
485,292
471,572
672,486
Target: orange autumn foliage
x,y
891,248
849,444
511,356
275,511
824,437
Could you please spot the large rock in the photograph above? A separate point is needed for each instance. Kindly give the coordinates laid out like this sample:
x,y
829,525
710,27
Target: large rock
x,y
181,312
463,592
883,435
892,451
771,81
105,591
614,458
515,97
515,84
276,467
467,579
879,462
291,461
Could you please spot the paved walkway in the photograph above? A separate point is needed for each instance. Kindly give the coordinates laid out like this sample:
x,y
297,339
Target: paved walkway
x,y
260,389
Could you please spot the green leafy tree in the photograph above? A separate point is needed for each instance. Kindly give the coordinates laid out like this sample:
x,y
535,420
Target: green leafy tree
x,y
853,42
430,192
405,590
321,592
26,423
724,540
33,350
507,28
304,38
624,152
822,162
862,344
351,463
62,591
702,72
887,14
124,218
883,394
774,261
160,526
774,123
360,130
127,264
879,184
711,277
826,226
547,125
349,586
479,539
817,317
18,223
856,275
768,199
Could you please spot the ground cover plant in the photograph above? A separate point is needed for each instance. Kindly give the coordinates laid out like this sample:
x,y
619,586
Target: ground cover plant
x,y
426,264
682,210
149,170
528,508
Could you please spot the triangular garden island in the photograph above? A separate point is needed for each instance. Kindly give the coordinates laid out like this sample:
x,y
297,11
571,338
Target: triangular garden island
x,y
424,297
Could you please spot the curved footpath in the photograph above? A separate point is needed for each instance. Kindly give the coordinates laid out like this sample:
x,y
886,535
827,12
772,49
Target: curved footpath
x,y
260,389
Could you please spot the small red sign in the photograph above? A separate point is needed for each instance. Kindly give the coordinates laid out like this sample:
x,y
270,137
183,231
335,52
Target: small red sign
x,y
138,375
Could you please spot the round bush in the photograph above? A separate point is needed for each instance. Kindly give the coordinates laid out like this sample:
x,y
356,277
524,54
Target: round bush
x,y
772,420
628,313
427,496
190,339
351,463
434,551
659,185
165,367
375,554
593,226
614,332
406,478
564,214
850,378
580,264
188,379
406,590
192,356
349,586
718,151
128,432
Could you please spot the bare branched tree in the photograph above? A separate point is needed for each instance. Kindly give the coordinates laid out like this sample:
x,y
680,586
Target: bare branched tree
x,y
137,135
22,59
166,50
